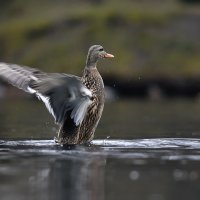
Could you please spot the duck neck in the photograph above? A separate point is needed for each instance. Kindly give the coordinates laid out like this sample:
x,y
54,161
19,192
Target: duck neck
x,y
91,66
90,69
91,62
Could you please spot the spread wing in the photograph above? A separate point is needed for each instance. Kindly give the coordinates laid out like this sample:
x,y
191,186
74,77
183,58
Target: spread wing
x,y
64,95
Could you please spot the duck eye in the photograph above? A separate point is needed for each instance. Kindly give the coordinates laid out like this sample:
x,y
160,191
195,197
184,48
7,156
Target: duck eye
x,y
101,49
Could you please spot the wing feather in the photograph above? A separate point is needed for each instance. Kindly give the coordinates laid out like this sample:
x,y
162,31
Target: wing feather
x,y
63,95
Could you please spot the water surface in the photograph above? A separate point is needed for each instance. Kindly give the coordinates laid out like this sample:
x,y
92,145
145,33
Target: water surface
x,y
142,150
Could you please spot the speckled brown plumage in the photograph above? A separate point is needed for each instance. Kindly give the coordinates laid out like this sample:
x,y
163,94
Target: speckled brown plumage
x,y
93,81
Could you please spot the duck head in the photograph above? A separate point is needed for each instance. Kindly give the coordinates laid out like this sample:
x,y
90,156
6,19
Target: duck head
x,y
95,53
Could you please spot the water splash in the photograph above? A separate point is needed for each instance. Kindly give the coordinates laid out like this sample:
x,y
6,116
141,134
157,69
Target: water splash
x,y
161,148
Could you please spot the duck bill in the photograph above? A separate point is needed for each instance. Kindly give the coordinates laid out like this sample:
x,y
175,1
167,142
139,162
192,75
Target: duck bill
x,y
108,55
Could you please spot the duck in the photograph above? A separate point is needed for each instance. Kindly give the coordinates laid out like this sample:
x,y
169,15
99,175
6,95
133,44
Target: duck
x,y
76,103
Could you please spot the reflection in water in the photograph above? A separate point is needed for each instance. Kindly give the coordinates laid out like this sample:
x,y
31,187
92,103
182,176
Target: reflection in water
x,y
154,169
77,179
28,176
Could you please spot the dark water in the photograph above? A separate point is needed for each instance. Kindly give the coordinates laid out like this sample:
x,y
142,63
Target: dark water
x,y
142,151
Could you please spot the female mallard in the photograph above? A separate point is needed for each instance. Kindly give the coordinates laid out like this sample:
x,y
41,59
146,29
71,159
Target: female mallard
x,y
76,103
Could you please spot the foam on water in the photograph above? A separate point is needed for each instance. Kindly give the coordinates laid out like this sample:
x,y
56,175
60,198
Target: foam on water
x,y
162,149
158,143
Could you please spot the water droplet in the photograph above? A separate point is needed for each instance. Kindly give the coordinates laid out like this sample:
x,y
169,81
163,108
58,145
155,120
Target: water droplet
x,y
180,175
156,197
139,162
31,179
54,129
134,175
13,130
193,175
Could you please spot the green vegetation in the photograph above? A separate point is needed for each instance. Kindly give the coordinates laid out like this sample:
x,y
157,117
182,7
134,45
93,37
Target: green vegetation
x,y
148,38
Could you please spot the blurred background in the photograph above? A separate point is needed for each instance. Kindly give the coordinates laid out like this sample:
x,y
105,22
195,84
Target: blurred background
x,y
154,80
152,88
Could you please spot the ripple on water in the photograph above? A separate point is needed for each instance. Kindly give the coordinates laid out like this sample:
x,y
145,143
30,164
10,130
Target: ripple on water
x,y
162,148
